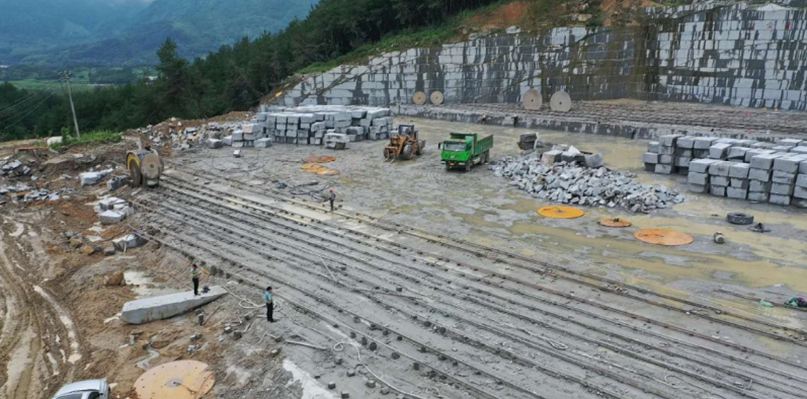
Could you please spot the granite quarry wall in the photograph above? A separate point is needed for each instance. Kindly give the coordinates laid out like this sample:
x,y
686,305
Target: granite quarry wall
x,y
732,54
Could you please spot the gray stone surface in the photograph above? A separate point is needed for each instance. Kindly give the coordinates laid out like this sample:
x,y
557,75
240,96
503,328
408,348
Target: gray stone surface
x,y
764,161
697,178
782,189
783,177
738,183
698,188
703,143
789,164
719,150
759,174
800,192
758,186
654,147
739,170
801,180
664,169
669,140
701,165
758,196
165,306
779,199
720,168
717,191
737,193
650,157
721,181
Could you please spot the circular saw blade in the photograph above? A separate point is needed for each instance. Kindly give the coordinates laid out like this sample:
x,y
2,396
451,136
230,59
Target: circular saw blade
x,y
560,212
419,98
437,98
532,100
150,166
184,379
560,102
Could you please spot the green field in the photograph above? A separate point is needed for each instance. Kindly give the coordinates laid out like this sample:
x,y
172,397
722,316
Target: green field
x,y
53,85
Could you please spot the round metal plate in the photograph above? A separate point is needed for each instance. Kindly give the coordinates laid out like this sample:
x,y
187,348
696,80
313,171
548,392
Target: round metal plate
x,y
560,102
419,98
614,222
184,379
150,166
560,212
663,237
437,98
532,100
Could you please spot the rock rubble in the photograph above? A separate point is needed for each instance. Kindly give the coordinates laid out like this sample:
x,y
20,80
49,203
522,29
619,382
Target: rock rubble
x,y
569,183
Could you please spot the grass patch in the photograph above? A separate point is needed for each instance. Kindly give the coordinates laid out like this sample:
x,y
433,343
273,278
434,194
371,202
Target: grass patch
x,y
90,138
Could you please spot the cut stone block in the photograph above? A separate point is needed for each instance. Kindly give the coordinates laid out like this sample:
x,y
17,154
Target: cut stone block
x,y
803,167
650,157
737,193
111,217
799,203
550,157
666,159
783,177
779,199
720,168
759,174
760,186
789,142
703,143
782,189
698,188
682,161
719,150
739,170
664,169
738,153
738,183
701,165
799,150
263,143
758,196
666,150
128,241
698,178
751,153
789,164
686,142
800,192
669,140
214,144
764,161
165,306
721,181
801,180
717,191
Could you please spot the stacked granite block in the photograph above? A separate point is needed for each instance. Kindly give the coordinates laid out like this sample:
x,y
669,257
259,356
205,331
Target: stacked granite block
x,y
738,169
308,125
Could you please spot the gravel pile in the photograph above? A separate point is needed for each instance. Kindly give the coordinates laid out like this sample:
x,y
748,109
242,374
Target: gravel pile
x,y
569,183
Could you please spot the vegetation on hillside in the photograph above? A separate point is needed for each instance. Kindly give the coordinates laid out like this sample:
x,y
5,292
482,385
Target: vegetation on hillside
x,y
234,78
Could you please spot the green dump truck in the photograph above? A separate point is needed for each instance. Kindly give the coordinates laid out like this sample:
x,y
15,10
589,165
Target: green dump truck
x,y
464,150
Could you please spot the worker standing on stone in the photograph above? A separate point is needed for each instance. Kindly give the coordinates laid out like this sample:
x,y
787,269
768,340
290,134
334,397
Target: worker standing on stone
x,y
331,198
195,278
270,305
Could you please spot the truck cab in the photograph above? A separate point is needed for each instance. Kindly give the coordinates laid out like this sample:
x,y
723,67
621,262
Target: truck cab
x,y
88,389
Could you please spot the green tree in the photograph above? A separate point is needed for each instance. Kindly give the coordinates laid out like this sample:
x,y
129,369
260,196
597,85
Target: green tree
x,y
173,79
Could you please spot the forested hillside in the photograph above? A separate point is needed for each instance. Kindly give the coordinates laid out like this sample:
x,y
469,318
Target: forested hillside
x,y
235,77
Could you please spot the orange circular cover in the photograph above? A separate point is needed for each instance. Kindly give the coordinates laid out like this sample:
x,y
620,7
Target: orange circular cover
x,y
560,212
614,222
184,379
663,237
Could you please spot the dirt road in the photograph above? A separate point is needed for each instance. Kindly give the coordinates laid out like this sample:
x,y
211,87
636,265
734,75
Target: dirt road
x,y
39,343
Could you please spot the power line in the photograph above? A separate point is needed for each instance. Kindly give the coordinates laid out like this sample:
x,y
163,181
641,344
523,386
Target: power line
x,y
18,103
22,117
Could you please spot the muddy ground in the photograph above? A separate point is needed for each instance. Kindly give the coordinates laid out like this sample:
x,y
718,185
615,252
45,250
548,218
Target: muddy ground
x,y
60,313
482,208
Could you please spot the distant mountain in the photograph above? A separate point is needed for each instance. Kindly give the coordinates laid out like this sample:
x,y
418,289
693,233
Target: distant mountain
x,y
129,32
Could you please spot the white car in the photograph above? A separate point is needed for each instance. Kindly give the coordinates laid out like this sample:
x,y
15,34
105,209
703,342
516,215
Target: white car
x,y
89,389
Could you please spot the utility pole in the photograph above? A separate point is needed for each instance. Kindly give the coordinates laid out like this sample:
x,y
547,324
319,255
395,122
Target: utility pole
x,y
66,75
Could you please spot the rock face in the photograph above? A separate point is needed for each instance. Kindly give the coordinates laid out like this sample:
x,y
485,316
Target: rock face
x,y
727,43
569,183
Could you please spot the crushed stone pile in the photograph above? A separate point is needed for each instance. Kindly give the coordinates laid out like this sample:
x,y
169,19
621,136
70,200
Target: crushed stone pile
x,y
569,183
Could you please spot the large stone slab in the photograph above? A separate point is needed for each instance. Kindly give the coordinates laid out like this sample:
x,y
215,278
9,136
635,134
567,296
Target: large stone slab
x,y
165,306
764,161
739,170
701,165
720,169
